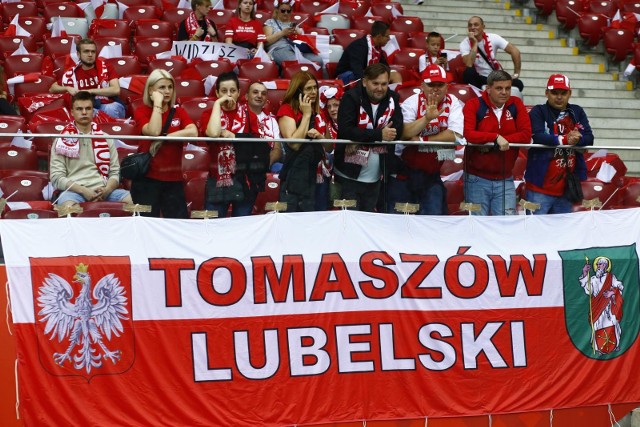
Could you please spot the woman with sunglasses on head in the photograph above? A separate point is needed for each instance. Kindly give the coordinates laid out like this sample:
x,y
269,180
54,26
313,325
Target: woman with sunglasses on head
x,y
244,29
280,31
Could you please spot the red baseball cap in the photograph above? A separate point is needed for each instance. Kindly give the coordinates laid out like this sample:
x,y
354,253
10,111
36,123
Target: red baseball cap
x,y
434,74
558,81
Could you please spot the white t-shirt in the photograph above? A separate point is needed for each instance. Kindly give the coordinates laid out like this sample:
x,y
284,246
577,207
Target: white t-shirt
x,y
451,117
482,67
268,126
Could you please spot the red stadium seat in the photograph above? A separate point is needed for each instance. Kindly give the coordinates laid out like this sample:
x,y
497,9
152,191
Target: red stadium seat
x,y
353,9
42,145
313,7
230,4
110,28
135,13
213,68
456,68
195,160
331,69
220,17
154,28
345,36
408,57
292,68
463,92
607,8
30,214
305,20
175,16
630,195
618,43
451,166
332,21
22,8
259,71
22,64
591,27
401,37
132,3
270,194
101,42
144,48
608,193
455,196
9,44
58,46
630,6
385,10
419,40
12,158
195,108
407,91
35,25
407,24
317,31
189,88
11,124
41,85
125,66
64,9
545,7
262,16
364,22
175,67
568,12
104,213
120,128
194,193
274,99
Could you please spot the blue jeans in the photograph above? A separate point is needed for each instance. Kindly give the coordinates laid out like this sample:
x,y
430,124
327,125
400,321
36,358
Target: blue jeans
x,y
115,196
114,109
549,204
397,192
495,197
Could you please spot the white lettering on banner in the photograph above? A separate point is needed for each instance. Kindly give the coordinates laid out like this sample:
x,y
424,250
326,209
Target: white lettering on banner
x,y
191,50
308,354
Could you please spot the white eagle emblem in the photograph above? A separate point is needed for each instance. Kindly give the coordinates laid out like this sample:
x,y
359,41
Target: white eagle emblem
x,y
82,322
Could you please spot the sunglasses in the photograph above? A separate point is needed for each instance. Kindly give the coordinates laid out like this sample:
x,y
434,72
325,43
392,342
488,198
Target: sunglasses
x,y
285,10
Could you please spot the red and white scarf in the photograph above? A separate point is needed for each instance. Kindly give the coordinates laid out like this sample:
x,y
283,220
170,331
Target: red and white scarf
x,y
191,24
69,77
224,151
435,126
373,54
69,146
361,156
488,50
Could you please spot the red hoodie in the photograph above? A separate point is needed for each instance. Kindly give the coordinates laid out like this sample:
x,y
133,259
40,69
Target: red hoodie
x,y
494,164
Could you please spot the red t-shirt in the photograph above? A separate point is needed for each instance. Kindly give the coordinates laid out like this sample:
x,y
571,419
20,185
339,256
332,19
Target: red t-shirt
x,y
319,123
241,31
90,79
166,165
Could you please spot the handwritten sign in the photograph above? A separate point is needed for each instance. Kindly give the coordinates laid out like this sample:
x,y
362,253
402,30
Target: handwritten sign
x,y
209,50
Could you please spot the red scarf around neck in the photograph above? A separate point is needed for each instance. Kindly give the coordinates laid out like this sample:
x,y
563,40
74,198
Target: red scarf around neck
x,y
191,24
488,50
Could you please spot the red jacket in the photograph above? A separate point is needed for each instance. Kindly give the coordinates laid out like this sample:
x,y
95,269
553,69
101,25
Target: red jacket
x,y
494,164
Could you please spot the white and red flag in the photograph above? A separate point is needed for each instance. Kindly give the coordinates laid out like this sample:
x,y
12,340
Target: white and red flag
x,y
57,28
133,83
14,28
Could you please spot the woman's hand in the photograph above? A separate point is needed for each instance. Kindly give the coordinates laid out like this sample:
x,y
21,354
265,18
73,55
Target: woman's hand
x,y
226,102
157,98
314,134
305,104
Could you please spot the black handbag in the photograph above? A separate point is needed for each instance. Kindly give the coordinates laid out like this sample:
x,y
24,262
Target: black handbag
x,y
572,185
217,195
136,166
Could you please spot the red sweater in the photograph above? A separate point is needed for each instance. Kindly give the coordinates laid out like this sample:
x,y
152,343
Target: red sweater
x,y
494,164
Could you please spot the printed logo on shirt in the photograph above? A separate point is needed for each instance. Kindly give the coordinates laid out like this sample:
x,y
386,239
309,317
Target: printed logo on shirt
x,y
175,123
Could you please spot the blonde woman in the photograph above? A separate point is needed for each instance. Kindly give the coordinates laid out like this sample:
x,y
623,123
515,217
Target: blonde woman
x,y
162,187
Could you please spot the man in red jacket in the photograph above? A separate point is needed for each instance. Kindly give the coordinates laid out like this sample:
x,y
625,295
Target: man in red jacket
x,y
493,121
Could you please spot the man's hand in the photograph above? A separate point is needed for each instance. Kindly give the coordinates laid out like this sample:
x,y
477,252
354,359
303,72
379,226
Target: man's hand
x,y
89,194
211,30
586,269
350,149
503,144
71,90
573,137
431,107
442,61
388,133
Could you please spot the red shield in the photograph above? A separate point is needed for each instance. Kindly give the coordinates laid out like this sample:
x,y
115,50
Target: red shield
x,y
83,314
606,340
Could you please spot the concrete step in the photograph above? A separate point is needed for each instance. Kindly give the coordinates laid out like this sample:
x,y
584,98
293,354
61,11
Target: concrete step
x,y
617,123
458,4
574,76
612,103
577,84
560,67
461,31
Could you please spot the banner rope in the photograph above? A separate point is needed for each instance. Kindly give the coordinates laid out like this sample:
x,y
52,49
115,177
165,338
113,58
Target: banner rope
x,y
612,417
8,310
490,421
17,391
607,201
426,421
551,418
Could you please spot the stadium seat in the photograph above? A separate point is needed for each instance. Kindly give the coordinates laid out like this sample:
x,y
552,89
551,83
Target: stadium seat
x,y
608,193
120,128
135,13
110,12
9,44
220,17
317,31
335,52
230,4
262,16
11,124
568,12
42,145
110,28
630,6
175,16
35,25
103,209
591,27
406,91
79,26
41,85
607,8
259,71
419,40
407,24
146,47
331,68
364,22
195,108
385,10
352,9
402,38
58,46
22,64
292,68
30,214
22,8
451,166
189,88
455,196
304,20
630,195
154,28
456,69
133,3
331,21
125,65
101,42
270,194
13,158
195,160
462,91
63,10
545,7
175,67
194,193
274,99
213,68
313,7
618,43
408,57
344,37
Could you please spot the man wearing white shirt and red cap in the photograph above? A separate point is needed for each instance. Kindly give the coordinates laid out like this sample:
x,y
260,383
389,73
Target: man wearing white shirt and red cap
x,y
556,123
430,115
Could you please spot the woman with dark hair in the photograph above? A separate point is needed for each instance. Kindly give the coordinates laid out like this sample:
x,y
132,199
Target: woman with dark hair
x,y
299,117
197,27
244,29
162,187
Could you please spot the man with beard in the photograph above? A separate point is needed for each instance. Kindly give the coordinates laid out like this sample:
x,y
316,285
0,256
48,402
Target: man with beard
x,y
370,113
92,74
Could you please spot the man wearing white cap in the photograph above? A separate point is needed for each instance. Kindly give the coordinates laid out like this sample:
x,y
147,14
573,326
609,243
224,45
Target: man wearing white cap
x,y
430,115
556,124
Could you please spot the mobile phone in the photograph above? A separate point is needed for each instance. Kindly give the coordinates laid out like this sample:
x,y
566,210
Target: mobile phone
x,y
443,55
293,25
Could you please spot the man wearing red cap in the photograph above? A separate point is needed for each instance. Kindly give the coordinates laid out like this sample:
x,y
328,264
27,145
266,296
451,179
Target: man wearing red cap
x,y
430,115
556,124
496,118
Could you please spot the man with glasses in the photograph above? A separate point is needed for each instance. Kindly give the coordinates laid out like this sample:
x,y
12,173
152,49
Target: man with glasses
x,y
491,122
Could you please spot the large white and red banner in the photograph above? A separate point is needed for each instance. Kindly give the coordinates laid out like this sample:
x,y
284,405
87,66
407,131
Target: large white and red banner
x,y
292,319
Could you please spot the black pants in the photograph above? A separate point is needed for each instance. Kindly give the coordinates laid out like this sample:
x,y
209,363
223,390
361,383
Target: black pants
x,y
166,198
364,193
471,77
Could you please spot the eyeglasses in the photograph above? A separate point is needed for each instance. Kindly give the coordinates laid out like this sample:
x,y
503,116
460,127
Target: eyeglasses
x,y
285,10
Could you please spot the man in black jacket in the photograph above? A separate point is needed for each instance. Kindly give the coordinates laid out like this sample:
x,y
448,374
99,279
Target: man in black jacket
x,y
369,114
